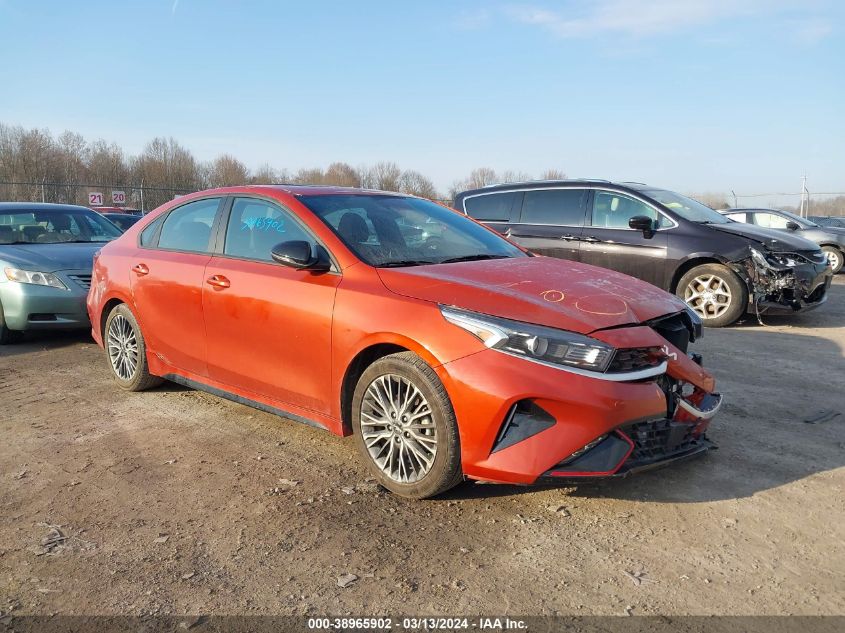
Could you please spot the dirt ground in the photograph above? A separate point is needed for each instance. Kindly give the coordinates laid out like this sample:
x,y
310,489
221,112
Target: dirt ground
x,y
178,502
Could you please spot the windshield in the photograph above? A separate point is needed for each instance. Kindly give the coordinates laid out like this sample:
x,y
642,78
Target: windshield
x,y
687,208
55,226
398,231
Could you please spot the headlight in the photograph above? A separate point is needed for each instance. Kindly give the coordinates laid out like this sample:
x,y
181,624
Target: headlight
x,y
533,341
771,260
36,278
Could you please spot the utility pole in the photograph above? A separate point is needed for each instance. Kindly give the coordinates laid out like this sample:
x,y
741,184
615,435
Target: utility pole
x,y
733,193
803,191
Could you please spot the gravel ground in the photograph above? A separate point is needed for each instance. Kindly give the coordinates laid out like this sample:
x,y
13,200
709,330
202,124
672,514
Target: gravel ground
x,y
178,502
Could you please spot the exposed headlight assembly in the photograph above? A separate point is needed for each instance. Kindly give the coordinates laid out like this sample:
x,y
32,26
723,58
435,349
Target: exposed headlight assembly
x,y
35,278
534,342
772,260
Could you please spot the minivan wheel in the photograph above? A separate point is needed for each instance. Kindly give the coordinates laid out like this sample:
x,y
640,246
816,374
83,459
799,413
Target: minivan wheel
x,y
405,427
835,257
127,352
716,294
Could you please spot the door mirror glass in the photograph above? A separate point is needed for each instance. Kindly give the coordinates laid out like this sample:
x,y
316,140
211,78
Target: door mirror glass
x,y
301,255
793,226
642,223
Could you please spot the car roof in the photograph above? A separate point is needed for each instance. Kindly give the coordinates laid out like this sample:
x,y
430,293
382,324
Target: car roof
x,y
40,206
569,182
307,190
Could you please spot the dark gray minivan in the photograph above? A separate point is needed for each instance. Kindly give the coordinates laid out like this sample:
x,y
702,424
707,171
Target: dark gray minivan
x,y
721,268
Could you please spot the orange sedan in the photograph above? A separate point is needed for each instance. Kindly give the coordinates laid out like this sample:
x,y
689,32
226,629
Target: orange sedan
x,y
445,349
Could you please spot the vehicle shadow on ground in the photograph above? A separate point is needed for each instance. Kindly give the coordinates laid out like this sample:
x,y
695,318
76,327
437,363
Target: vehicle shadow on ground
x,y
772,382
45,340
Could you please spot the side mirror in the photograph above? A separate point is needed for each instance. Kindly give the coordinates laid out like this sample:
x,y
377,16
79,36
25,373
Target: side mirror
x,y
792,226
642,223
301,255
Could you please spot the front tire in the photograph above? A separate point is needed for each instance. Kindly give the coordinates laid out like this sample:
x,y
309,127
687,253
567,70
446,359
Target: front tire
x,y
715,293
405,427
126,351
835,257
7,336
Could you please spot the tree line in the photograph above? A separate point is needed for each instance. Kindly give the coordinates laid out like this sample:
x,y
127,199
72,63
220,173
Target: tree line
x,y
35,165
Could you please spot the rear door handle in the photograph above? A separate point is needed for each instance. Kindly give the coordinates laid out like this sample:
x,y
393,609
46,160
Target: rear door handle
x,y
218,281
590,239
140,270
570,238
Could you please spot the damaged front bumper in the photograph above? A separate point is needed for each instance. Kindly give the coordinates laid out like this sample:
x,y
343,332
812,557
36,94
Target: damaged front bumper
x,y
784,283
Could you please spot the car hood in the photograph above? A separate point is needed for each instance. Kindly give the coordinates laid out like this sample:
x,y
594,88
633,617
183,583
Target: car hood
x,y
49,258
776,241
540,290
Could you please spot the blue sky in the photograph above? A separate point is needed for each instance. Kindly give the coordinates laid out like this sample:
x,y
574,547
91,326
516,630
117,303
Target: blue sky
x,y
692,95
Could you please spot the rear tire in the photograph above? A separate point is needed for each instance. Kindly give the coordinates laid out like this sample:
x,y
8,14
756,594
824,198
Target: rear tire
x,y
405,427
835,257
715,293
7,336
126,351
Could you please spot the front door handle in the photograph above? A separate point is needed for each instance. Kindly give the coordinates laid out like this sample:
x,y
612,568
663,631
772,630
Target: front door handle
x,y
140,270
590,239
218,281
570,238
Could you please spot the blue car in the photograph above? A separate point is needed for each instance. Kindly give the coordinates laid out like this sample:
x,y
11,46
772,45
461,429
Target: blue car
x,y
46,257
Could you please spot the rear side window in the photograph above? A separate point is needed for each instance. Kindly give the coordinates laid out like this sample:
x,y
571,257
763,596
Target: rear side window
x,y
256,226
147,235
188,228
554,206
492,207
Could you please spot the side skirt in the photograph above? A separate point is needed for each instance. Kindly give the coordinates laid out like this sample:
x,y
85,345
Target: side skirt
x,y
193,384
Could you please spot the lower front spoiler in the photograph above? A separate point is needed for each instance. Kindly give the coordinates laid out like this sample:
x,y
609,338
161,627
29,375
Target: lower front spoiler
x,y
703,446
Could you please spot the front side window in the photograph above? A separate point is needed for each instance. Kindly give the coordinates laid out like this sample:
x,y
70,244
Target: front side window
x,y
188,228
400,231
564,207
614,210
256,226
738,217
55,226
491,207
770,220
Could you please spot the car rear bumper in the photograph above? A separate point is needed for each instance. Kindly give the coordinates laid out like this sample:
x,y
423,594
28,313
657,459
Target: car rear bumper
x,y
32,307
524,423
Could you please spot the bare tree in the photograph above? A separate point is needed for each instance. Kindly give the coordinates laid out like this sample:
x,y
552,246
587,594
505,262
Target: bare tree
x,y
342,175
227,171
384,176
416,184
553,174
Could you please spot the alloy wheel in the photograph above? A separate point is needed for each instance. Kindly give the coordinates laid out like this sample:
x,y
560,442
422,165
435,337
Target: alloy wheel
x,y
123,347
709,295
398,428
833,259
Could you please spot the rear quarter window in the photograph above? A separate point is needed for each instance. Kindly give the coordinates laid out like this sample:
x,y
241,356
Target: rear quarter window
x,y
492,207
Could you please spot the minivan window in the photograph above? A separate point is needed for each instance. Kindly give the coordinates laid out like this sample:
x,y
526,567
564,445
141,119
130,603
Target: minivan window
x,y
770,220
188,228
256,226
493,207
563,207
613,211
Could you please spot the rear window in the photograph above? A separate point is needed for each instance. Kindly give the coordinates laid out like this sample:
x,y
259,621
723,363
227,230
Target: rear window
x,y
493,207
554,206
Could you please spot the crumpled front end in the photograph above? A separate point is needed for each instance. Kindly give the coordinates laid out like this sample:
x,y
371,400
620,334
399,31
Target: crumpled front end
x,y
783,282
552,426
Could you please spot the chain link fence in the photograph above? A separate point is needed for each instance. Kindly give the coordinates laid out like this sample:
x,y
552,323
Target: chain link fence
x,y
130,196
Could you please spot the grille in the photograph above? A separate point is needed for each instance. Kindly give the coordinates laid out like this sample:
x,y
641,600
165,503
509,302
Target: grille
x,y
659,439
82,280
635,358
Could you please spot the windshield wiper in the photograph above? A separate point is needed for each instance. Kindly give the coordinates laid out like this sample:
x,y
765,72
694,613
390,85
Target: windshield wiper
x,y
473,258
405,262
